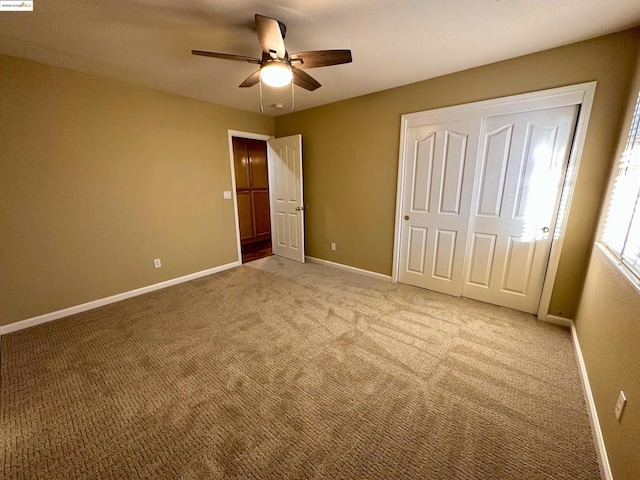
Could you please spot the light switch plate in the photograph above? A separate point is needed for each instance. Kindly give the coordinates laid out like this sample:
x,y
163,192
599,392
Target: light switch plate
x,y
227,195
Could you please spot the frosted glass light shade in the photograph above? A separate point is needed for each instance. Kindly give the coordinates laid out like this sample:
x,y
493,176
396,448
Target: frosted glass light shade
x,y
276,74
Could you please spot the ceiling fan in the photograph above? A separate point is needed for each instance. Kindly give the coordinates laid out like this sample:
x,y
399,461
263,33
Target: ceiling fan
x,y
277,67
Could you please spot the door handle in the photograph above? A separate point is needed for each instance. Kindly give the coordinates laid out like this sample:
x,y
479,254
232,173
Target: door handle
x,y
545,229
298,209
406,217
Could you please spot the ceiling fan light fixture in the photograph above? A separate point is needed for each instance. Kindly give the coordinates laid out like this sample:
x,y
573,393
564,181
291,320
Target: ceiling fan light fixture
x,y
276,73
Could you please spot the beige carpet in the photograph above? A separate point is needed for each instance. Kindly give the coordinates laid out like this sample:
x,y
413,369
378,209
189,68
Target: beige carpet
x,y
277,370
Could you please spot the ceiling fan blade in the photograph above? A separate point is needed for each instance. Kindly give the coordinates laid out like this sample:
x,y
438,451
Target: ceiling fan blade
x,y
304,80
283,29
320,58
270,35
226,56
251,80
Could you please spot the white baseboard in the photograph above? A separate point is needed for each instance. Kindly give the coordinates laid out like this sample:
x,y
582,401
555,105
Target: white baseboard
x,y
48,317
563,322
603,459
348,268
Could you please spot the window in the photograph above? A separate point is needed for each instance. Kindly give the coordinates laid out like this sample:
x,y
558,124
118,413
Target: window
x,y
621,232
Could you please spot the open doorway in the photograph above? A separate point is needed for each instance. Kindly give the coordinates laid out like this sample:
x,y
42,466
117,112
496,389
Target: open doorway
x,y
252,196
266,175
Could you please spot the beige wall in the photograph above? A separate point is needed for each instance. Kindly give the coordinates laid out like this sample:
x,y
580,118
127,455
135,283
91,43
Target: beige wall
x,y
98,178
608,328
351,152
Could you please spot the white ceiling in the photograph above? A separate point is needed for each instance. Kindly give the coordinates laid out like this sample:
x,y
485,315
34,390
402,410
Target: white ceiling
x,y
394,42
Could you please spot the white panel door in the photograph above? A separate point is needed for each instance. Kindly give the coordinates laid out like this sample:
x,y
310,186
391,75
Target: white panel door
x,y
522,161
285,196
438,176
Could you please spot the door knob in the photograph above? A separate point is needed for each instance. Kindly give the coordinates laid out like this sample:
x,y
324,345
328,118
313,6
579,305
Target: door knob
x,y
545,229
298,209
406,217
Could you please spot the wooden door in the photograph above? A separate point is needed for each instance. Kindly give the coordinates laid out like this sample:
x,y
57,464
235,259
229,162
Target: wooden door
x,y
522,164
252,189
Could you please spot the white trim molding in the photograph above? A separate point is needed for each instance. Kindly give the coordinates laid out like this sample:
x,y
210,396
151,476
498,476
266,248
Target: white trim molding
x,y
621,268
601,451
554,319
48,317
588,91
341,266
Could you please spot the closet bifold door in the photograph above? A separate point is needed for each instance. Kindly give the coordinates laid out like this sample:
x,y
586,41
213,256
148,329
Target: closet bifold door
x,y
438,173
483,195
522,163
480,201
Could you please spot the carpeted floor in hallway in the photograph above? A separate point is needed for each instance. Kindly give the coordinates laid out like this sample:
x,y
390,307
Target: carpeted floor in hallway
x,y
279,370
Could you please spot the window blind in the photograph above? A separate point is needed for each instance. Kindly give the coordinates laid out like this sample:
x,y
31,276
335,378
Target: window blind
x,y
621,232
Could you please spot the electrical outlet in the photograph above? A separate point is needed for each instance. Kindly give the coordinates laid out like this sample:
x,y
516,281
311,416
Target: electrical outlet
x,y
157,263
226,195
620,404
333,247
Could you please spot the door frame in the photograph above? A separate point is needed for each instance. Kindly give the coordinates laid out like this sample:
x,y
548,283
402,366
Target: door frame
x,y
580,94
252,136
